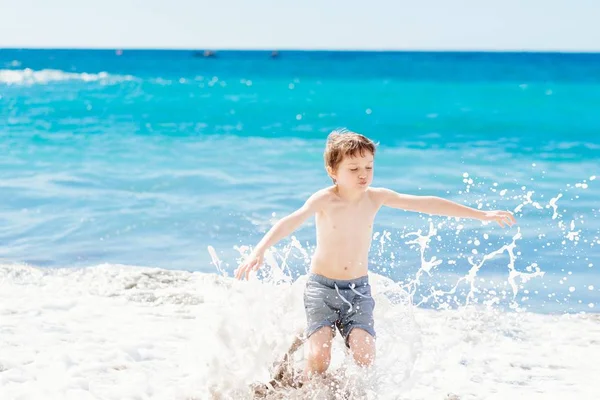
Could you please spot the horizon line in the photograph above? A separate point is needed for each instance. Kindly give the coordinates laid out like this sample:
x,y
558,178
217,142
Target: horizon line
x,y
340,50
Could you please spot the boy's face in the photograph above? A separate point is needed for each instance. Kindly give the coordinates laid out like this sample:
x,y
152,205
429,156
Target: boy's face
x,y
355,172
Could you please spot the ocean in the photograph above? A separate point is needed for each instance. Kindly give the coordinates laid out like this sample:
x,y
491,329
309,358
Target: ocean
x,y
119,167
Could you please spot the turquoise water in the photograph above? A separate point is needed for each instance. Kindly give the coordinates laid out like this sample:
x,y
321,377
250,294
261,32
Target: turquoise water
x,y
150,157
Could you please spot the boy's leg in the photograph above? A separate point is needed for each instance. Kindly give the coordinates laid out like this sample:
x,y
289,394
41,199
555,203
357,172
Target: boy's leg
x,y
362,347
319,351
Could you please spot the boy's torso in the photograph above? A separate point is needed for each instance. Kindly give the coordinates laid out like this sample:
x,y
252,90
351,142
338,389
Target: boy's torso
x,y
344,232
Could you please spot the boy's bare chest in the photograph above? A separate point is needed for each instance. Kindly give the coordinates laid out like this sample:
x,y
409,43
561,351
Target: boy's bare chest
x,y
341,217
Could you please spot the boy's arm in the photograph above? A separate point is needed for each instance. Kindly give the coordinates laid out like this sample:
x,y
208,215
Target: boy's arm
x,y
439,206
281,229
288,224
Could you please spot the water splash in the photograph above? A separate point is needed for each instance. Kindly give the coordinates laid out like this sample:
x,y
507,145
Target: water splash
x,y
294,259
216,261
430,286
552,204
426,265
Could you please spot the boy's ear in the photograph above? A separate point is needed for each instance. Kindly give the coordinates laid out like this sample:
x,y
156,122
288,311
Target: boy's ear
x,y
331,173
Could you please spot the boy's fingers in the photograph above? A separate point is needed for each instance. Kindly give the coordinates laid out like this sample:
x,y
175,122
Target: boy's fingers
x,y
240,271
244,270
510,216
248,269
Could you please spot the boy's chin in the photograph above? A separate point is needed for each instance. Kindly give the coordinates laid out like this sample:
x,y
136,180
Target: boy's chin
x,y
355,187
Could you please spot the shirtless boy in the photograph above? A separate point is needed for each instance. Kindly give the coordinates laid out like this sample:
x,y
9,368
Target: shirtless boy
x,y
337,293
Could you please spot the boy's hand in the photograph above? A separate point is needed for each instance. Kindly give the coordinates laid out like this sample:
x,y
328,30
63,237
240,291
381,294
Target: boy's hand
x,y
252,263
501,217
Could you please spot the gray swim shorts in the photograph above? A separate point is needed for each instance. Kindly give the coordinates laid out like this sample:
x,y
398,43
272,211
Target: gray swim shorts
x,y
341,304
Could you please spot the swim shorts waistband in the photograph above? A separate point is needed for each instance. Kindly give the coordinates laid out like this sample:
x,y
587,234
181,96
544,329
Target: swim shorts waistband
x,y
340,283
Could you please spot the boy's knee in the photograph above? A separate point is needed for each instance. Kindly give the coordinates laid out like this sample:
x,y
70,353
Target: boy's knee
x,y
321,355
319,361
364,358
362,347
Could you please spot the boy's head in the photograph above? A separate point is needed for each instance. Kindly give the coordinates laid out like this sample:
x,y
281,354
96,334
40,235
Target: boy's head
x,y
349,158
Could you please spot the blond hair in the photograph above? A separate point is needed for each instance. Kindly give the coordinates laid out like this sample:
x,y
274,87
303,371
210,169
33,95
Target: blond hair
x,y
344,143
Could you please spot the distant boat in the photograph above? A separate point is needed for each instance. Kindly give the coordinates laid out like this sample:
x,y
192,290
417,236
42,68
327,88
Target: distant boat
x,y
274,54
205,54
119,52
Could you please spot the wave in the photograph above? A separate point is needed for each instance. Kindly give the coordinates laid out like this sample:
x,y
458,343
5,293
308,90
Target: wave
x,y
28,76
144,329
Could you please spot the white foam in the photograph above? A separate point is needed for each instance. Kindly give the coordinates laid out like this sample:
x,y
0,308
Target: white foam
x,y
29,77
116,332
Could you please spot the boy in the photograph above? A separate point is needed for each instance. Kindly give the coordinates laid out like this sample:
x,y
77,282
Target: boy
x,y
337,291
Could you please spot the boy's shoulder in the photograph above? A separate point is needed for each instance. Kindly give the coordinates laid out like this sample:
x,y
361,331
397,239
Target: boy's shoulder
x,y
378,192
321,198
324,194
381,195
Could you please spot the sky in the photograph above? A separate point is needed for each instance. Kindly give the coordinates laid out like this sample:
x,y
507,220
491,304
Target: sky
x,y
497,25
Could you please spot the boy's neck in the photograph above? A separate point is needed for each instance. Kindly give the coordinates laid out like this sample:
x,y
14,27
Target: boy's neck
x,y
348,195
